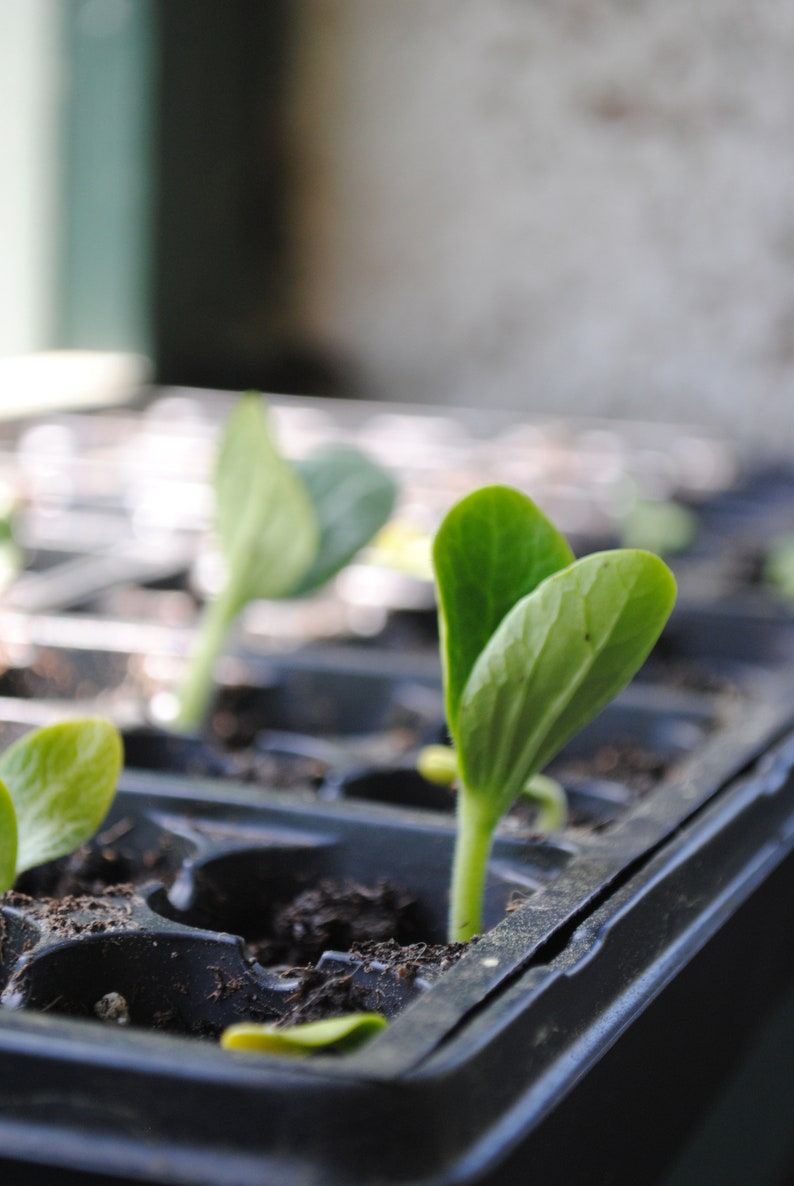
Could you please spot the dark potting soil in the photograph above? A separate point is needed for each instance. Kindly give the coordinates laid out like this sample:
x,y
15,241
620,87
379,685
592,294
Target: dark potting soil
x,y
336,915
427,960
72,915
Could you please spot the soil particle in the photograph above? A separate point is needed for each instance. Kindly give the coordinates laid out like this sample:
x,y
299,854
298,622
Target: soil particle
x,y
113,1009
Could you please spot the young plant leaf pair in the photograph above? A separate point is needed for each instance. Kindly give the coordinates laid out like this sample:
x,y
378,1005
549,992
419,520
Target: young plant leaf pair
x,y
284,528
534,644
56,785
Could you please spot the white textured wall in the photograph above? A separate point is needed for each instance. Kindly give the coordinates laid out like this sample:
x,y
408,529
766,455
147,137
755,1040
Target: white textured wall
x,y
583,206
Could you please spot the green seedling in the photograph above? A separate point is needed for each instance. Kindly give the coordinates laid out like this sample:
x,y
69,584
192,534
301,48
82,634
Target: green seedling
x,y
337,1034
533,645
56,785
661,526
284,529
778,572
11,554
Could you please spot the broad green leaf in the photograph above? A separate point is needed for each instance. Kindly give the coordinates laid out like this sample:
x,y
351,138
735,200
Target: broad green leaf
x,y
335,1033
266,523
493,548
353,497
61,780
8,840
557,659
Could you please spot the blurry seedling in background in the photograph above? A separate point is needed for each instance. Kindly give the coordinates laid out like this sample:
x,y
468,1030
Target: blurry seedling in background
x,y
334,1034
533,645
661,526
11,554
284,528
56,786
778,572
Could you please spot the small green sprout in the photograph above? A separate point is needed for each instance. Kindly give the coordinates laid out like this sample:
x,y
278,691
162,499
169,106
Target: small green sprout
x,y
659,525
438,764
778,573
56,785
284,529
533,644
11,554
344,1033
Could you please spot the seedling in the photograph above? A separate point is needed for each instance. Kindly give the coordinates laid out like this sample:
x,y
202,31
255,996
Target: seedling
x,y
11,554
533,645
662,526
284,529
56,785
778,573
344,1033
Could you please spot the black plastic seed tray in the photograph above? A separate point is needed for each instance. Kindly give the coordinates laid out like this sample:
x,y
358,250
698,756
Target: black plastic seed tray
x,y
605,993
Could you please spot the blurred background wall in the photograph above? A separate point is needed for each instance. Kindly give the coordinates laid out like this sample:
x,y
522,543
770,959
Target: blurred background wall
x,y
584,206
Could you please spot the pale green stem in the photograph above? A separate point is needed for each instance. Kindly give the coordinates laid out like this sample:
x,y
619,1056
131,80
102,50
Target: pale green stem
x,y
197,685
469,868
551,801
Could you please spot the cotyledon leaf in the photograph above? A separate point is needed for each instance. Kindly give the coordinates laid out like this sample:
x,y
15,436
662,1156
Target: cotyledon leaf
x,y
353,498
559,656
61,780
8,840
492,549
343,1033
266,522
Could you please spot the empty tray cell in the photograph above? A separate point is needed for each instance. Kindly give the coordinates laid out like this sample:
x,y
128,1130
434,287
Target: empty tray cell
x,y
321,701
181,983
62,673
239,888
131,847
398,786
150,748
